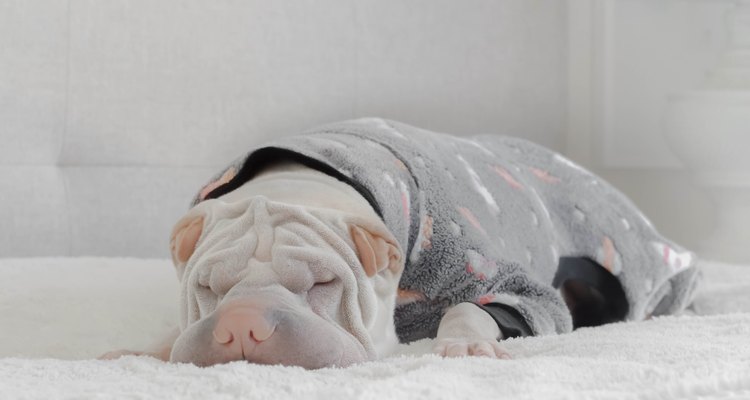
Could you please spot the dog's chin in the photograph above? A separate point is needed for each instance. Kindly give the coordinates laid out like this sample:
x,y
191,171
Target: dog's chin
x,y
306,341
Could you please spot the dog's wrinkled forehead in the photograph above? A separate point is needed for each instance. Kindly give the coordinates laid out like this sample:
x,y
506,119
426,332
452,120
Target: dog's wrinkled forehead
x,y
258,243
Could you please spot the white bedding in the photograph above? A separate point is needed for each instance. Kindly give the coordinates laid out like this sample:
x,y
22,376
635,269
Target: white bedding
x,y
56,314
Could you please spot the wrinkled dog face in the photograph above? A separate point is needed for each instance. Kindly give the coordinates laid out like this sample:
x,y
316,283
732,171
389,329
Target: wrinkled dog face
x,y
275,283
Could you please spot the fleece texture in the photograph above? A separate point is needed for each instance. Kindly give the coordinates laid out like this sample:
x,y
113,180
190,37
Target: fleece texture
x,y
485,219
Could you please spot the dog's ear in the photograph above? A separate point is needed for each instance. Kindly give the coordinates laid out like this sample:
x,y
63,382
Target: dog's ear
x,y
185,235
377,251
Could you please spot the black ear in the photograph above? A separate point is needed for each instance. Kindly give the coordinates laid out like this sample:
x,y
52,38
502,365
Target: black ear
x,y
593,295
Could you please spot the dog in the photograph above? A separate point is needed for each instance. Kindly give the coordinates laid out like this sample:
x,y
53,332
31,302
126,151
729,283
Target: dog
x,y
331,247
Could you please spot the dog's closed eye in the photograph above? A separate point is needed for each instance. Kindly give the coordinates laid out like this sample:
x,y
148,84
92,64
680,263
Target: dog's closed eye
x,y
325,283
321,276
322,287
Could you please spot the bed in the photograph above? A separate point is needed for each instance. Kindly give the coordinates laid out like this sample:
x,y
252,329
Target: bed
x,y
58,314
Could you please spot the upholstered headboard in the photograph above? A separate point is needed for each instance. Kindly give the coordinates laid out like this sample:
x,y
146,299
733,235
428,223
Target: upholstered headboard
x,y
112,113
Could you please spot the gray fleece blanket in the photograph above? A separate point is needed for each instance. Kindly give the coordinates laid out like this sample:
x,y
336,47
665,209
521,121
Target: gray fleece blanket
x,y
486,219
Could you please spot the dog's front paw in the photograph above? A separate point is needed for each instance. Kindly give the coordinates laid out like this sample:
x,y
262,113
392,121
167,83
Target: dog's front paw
x,y
460,347
111,355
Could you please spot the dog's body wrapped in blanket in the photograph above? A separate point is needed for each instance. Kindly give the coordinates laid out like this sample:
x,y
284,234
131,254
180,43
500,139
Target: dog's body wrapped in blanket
x,y
490,220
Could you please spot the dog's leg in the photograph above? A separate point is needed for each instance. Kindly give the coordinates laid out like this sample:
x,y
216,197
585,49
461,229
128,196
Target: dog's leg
x,y
467,330
160,350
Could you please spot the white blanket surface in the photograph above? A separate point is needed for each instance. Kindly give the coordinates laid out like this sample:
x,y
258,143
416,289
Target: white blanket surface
x,y
57,314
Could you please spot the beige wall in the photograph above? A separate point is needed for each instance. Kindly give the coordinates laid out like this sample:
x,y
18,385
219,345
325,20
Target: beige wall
x,y
624,60
114,112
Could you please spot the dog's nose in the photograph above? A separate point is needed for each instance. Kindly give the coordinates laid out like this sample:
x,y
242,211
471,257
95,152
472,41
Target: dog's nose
x,y
244,324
